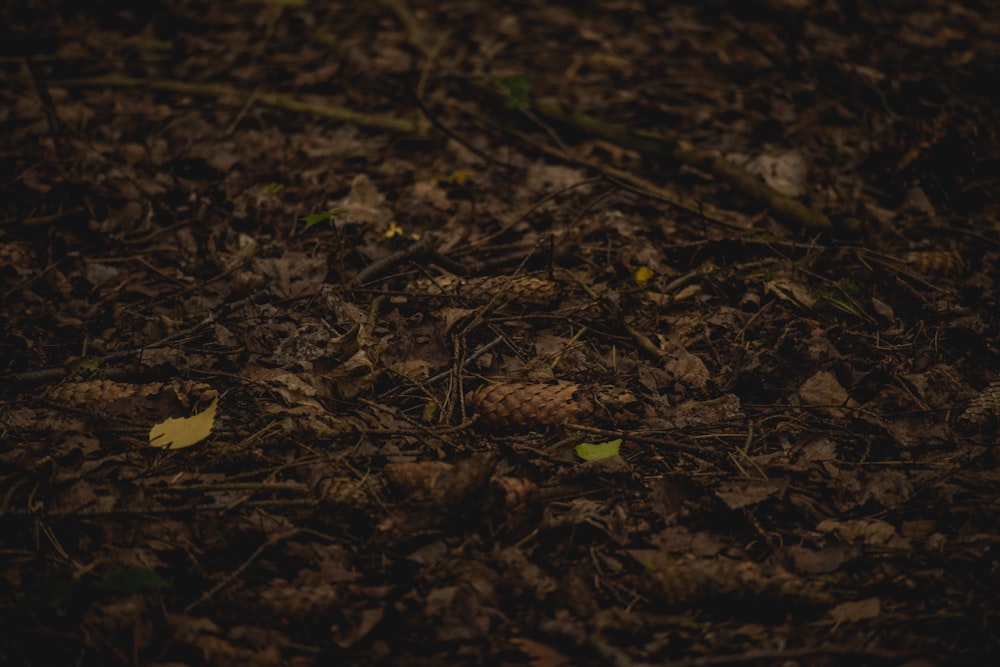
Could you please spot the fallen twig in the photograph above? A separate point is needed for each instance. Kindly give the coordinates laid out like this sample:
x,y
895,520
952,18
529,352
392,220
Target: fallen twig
x,y
238,571
278,100
422,247
632,182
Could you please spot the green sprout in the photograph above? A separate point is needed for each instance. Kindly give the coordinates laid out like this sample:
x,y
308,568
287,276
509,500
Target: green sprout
x,y
517,90
314,219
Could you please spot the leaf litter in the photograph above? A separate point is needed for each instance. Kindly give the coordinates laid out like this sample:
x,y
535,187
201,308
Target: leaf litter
x,y
744,259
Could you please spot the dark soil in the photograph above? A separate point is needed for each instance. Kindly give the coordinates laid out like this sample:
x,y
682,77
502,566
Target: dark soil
x,y
540,334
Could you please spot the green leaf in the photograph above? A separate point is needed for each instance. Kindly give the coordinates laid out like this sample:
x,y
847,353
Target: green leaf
x,y
49,593
316,218
517,89
589,451
131,580
91,363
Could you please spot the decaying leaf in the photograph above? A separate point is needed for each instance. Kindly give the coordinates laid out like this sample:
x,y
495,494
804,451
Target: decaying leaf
x,y
793,292
785,172
741,493
823,391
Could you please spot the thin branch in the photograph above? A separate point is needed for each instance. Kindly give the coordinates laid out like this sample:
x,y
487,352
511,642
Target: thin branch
x,y
236,573
660,144
424,246
277,100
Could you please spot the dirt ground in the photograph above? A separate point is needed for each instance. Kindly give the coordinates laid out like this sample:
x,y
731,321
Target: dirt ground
x,y
536,333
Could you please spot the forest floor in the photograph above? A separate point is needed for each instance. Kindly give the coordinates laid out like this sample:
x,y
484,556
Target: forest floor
x,y
550,334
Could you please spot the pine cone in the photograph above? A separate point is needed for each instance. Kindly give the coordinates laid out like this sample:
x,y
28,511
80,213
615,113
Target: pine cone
x,y
524,290
984,407
519,496
104,392
412,476
694,581
936,262
91,391
515,405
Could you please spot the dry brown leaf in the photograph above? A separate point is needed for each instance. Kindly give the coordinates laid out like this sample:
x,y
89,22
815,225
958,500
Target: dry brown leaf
x,y
541,655
823,391
851,612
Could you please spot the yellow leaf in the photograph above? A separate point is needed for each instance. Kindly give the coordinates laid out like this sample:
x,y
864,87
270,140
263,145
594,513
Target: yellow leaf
x,y
394,230
184,431
642,275
91,363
